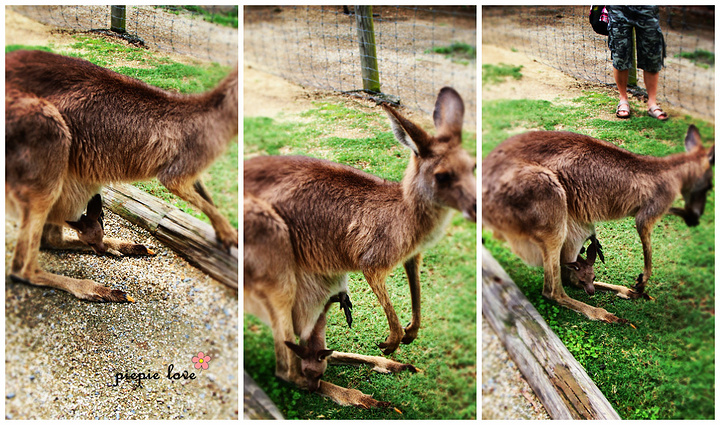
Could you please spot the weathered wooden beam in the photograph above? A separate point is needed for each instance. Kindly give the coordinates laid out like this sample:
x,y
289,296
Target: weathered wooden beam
x,y
257,404
191,238
559,381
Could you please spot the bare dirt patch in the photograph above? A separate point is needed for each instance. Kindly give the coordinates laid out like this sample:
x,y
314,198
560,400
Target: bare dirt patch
x,y
538,82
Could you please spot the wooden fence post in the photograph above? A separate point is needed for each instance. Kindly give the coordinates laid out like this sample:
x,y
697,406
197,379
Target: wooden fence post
x,y
368,54
117,18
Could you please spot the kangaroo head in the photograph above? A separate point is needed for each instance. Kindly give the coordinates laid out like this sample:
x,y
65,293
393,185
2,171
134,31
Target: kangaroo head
x,y
695,190
440,170
583,268
313,362
90,228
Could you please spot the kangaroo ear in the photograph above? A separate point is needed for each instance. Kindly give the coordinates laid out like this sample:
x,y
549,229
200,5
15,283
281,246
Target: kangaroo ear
x,y
297,349
323,354
94,207
449,113
692,139
407,133
76,225
575,266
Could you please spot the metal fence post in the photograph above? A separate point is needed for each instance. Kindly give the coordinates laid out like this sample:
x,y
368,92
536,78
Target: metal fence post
x,y
368,55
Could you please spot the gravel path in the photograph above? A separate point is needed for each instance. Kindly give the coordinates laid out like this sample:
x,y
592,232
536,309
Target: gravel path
x,y
505,394
62,354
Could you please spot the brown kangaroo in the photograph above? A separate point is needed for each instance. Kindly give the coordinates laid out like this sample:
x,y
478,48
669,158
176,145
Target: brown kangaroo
x,y
90,227
91,234
583,271
542,192
341,219
72,127
295,303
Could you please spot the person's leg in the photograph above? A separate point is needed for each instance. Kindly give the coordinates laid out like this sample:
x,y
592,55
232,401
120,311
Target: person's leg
x,y
651,55
621,79
651,84
619,42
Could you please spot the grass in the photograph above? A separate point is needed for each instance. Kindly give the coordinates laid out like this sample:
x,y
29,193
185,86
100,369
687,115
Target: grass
x,y
228,19
665,368
494,74
446,347
457,52
699,57
221,178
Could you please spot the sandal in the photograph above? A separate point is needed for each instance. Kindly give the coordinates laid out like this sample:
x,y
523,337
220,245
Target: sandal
x,y
658,113
623,109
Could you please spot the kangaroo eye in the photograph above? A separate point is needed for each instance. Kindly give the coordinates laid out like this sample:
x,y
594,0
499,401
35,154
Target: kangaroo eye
x,y
443,178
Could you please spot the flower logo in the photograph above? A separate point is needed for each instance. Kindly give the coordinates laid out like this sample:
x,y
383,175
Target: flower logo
x,y
201,360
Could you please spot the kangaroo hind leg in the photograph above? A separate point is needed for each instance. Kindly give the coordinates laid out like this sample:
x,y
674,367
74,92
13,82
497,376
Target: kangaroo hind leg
x,y
36,160
192,190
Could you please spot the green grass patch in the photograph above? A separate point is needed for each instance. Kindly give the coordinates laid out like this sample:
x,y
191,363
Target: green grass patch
x,y
446,347
228,19
699,57
494,74
221,179
665,368
457,52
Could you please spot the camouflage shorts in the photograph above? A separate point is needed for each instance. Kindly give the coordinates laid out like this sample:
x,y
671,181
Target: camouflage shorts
x,y
650,43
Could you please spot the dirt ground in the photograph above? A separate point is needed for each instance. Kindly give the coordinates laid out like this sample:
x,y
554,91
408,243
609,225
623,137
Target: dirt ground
x,y
63,356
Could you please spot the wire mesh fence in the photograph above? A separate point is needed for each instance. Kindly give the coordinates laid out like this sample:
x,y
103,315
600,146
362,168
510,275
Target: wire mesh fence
x,y
419,49
561,37
176,31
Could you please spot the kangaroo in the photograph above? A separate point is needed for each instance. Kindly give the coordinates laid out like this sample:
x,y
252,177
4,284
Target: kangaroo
x,y
543,191
72,127
294,303
90,227
91,234
583,272
341,219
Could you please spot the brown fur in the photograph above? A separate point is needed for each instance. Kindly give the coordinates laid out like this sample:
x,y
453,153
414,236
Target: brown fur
x,y
308,222
72,127
542,192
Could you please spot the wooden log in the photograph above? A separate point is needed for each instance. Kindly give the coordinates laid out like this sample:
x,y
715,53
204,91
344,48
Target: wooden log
x,y
191,238
560,382
257,404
